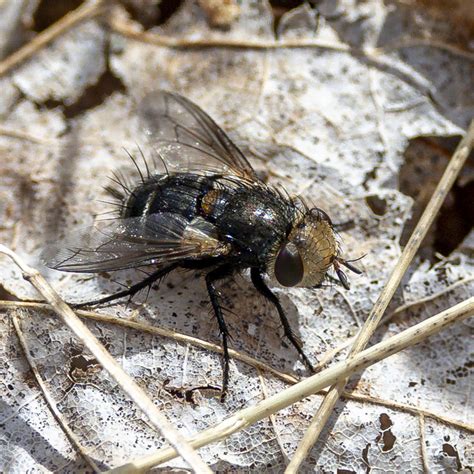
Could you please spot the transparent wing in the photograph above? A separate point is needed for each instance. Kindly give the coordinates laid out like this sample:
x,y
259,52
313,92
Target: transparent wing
x,y
182,133
127,243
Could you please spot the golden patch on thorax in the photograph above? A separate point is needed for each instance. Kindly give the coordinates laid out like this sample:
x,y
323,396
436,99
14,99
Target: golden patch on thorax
x,y
209,201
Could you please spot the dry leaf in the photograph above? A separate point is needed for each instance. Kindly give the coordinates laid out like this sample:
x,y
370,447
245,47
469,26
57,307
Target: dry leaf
x,y
328,111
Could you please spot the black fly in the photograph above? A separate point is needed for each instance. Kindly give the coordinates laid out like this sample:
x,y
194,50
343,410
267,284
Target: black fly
x,y
211,214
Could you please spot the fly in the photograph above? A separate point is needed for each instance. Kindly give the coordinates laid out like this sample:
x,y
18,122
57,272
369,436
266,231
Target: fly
x,y
213,214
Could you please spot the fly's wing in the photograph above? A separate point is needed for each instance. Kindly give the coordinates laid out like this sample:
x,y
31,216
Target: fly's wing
x,y
180,131
126,243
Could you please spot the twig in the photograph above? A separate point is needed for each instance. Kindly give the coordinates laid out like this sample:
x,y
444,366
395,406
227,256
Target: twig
x,y
327,406
125,27
432,43
414,410
246,417
255,363
331,353
128,29
49,399
176,336
21,135
424,457
86,11
273,419
127,383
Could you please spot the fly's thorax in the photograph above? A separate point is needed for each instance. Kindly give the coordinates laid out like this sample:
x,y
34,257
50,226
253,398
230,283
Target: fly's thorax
x,y
305,256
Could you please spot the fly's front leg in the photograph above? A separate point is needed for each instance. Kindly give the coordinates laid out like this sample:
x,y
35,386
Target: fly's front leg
x,y
211,278
148,281
263,289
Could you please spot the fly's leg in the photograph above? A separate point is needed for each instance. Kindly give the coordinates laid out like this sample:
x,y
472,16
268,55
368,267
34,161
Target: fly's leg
x,y
211,278
148,281
263,289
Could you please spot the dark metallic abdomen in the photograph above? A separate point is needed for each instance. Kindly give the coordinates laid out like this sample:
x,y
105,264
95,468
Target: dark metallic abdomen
x,y
177,193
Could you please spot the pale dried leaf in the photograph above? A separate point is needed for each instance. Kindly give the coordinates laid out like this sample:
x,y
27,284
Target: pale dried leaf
x,y
329,122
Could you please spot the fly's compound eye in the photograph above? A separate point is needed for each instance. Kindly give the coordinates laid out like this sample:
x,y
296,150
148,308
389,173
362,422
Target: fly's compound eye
x,y
289,269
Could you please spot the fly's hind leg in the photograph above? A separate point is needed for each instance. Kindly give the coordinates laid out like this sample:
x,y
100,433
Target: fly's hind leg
x,y
263,289
211,278
148,281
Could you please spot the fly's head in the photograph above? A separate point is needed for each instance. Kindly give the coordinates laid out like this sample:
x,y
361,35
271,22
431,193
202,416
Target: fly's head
x,y
310,250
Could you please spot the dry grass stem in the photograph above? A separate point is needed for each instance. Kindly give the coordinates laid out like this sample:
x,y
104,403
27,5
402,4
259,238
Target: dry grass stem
x,y
120,24
86,11
128,385
432,43
330,354
417,411
255,363
339,372
21,135
47,395
424,457
176,336
439,195
329,382
129,29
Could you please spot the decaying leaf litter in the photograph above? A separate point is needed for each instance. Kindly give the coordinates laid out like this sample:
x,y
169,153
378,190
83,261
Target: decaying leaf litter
x,y
293,112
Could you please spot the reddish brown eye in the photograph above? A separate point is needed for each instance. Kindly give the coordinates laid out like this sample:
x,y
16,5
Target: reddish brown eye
x,y
289,269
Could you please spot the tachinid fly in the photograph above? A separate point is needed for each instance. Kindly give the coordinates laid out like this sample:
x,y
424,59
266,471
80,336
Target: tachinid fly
x,y
213,215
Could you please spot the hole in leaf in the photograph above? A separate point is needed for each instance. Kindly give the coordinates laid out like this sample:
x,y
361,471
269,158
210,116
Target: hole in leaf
x,y
426,159
95,94
388,439
280,7
6,295
455,221
385,422
50,11
80,362
167,9
451,451
378,205
365,456
150,14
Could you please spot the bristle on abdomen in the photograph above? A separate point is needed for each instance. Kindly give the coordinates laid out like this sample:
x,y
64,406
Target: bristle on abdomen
x,y
123,188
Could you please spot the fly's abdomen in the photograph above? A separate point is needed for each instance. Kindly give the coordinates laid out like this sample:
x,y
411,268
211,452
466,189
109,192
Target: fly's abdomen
x,y
178,193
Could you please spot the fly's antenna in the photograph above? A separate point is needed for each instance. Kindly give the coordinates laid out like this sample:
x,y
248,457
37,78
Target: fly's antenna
x,y
339,272
341,275
348,264
136,164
